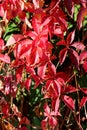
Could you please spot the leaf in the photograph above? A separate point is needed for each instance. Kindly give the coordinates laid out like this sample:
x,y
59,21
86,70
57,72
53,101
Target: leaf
x,y
83,101
84,90
62,75
10,29
56,106
80,16
69,6
5,58
83,56
62,55
5,109
58,32
69,102
69,89
51,69
61,42
28,83
70,37
29,7
42,70
24,121
79,46
37,81
1,44
85,66
47,110
74,57
36,25
19,73
53,3
23,128
14,38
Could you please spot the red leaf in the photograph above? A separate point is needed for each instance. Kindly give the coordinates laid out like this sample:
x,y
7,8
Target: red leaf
x,y
84,90
54,3
42,70
5,58
22,49
51,69
29,6
37,80
1,44
79,46
69,89
28,84
69,102
36,25
36,3
13,39
85,66
62,75
83,56
47,110
58,31
19,73
83,101
23,128
57,104
62,55
69,6
70,37
80,17
62,42
24,121
5,109
74,57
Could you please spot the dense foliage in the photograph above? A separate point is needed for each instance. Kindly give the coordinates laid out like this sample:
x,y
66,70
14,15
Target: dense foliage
x,y
43,64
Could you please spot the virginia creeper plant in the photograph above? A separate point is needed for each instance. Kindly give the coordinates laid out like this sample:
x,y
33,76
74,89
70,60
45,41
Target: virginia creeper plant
x,y
43,64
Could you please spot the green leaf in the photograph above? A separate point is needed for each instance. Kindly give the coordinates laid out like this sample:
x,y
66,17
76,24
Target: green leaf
x,y
12,28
